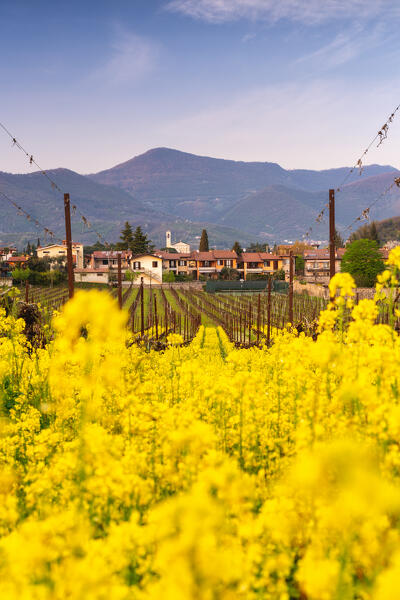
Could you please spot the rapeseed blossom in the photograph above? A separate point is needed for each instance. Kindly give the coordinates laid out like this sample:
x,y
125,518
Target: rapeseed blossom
x,y
204,471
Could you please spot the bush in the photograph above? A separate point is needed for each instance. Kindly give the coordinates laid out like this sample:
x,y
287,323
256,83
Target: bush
x,y
168,277
363,261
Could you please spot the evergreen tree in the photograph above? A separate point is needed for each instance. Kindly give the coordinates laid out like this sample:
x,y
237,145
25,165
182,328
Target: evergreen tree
x,y
373,232
126,238
339,242
140,243
237,248
203,246
38,243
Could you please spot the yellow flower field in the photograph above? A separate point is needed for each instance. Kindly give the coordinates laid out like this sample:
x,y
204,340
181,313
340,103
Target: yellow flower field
x,y
203,472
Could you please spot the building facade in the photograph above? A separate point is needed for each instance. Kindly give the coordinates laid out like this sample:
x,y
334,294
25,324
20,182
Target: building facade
x,y
54,251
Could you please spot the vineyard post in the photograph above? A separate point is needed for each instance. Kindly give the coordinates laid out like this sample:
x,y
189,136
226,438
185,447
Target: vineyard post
x,y
155,315
331,233
141,309
291,274
119,280
68,236
269,311
26,292
258,317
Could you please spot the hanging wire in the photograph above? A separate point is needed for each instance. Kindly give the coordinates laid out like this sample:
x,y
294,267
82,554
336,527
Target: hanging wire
x,y
365,214
53,184
381,136
22,212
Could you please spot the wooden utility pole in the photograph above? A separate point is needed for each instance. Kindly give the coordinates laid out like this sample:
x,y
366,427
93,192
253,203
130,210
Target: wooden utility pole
x,y
269,312
331,233
119,280
291,275
70,265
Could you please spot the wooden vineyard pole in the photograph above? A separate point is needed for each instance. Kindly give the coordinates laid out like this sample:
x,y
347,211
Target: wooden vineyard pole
x,y
119,281
26,292
141,309
258,317
291,275
155,315
68,236
269,312
331,233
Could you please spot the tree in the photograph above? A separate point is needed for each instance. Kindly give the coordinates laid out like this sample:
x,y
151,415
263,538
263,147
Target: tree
x,y
140,243
363,261
203,246
299,268
257,247
366,232
126,237
229,274
237,248
339,242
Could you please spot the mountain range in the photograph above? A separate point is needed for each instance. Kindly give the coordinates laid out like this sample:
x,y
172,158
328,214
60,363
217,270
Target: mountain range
x,y
168,189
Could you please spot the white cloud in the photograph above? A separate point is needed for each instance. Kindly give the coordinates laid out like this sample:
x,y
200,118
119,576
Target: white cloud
x,y
306,11
346,46
132,57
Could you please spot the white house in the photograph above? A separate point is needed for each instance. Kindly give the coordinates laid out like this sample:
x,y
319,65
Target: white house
x,y
148,267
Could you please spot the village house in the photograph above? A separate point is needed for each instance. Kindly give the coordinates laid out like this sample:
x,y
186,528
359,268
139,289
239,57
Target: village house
x,y
103,267
108,259
262,263
54,251
316,263
177,262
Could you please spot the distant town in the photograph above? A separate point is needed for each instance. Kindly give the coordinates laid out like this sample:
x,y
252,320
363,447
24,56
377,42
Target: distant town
x,y
175,262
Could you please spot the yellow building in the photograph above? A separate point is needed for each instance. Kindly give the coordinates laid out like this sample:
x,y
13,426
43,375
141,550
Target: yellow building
x,y
60,251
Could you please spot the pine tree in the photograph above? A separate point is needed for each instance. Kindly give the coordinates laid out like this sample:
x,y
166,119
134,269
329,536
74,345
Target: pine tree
x,y
237,248
203,246
373,232
339,242
140,243
126,237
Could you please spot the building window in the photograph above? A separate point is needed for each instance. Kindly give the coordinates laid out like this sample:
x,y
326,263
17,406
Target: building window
x,y
228,263
46,251
220,262
155,264
99,274
275,265
61,252
105,262
267,263
136,265
182,263
172,263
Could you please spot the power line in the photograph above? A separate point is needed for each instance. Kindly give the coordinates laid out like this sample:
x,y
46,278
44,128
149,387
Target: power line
x,y
31,218
53,184
381,136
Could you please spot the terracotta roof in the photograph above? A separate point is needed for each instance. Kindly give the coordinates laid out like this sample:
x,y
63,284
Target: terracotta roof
x,y
213,255
323,253
258,256
135,256
18,259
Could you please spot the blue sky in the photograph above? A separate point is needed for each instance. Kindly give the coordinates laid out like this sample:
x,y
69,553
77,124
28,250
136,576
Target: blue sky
x,y
304,83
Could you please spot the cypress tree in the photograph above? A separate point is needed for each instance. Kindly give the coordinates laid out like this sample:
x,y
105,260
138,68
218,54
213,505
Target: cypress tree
x,y
203,247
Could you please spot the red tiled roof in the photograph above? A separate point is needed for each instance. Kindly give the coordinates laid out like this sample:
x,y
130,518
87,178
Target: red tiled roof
x,y
323,253
258,256
213,255
18,259
100,270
